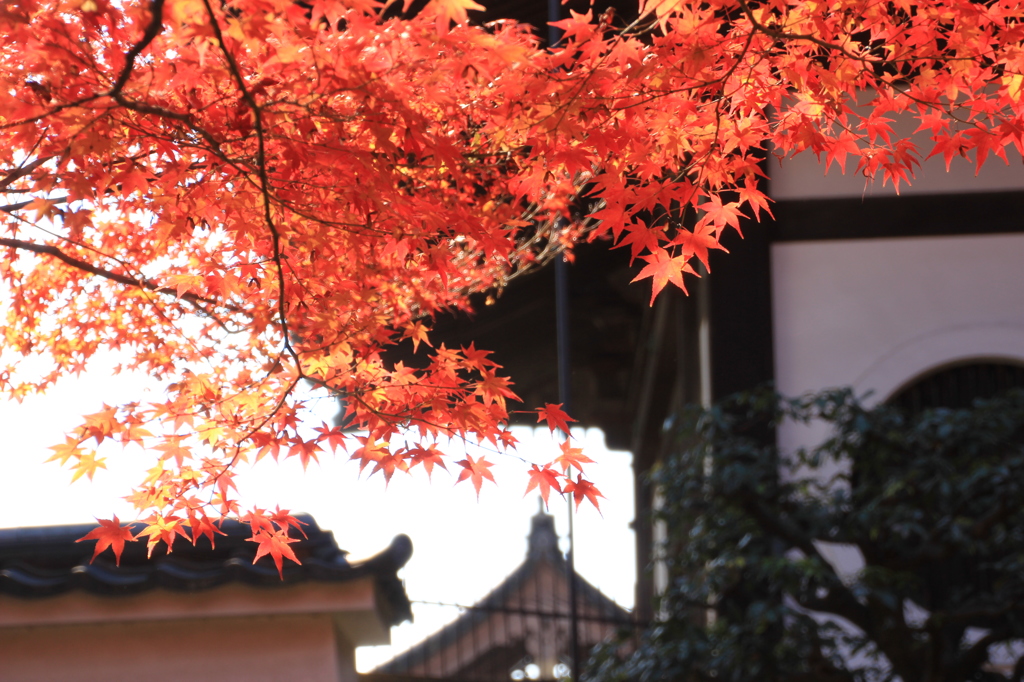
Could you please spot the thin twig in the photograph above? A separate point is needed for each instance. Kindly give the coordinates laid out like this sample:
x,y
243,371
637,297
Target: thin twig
x,y
47,250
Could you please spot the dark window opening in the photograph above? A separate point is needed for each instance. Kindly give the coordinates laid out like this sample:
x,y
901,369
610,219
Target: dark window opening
x,y
958,386
955,387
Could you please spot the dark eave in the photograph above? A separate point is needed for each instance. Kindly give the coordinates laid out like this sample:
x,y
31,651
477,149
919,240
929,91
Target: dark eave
x,y
47,561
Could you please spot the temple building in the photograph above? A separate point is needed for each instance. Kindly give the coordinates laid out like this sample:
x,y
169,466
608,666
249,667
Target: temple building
x,y
522,630
199,613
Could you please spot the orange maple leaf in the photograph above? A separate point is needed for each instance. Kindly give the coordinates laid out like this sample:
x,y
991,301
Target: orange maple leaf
x,y
662,8
476,471
572,457
102,424
306,450
87,465
72,447
162,529
109,534
172,449
417,331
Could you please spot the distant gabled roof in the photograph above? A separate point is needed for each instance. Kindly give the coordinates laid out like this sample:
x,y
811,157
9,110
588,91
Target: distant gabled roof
x,y
542,548
46,561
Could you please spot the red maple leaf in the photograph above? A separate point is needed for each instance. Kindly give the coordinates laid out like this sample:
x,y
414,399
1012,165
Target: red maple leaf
x,y
332,434
109,534
663,268
201,525
477,359
722,214
476,471
389,463
543,478
258,520
698,242
949,146
276,545
371,451
306,450
493,388
750,195
639,237
284,519
428,457
554,416
581,489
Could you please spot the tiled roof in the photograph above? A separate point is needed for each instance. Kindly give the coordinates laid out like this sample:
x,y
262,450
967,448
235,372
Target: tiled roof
x,y
542,548
45,561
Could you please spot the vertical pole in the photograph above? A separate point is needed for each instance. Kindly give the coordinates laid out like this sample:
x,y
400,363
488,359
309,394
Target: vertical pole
x,y
565,396
554,14
564,383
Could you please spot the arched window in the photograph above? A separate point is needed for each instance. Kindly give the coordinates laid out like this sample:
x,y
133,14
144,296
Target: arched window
x,y
958,386
955,387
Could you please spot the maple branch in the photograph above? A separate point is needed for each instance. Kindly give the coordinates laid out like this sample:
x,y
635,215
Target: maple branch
x,y
47,250
186,119
783,35
49,112
261,168
11,208
238,444
153,29
22,171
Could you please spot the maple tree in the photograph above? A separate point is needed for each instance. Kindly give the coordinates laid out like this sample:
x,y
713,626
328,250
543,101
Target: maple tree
x,y
245,194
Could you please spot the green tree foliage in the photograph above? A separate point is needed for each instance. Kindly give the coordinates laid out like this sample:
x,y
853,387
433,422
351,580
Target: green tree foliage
x,y
932,502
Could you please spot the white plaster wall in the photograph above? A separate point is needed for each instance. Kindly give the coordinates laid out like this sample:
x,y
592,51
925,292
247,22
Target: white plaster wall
x,y
250,649
803,177
352,603
876,313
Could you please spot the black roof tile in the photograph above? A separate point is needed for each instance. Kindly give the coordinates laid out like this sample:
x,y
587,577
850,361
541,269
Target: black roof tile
x,y
47,561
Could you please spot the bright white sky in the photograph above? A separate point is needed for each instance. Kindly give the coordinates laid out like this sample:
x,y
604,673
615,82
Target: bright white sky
x,y
462,548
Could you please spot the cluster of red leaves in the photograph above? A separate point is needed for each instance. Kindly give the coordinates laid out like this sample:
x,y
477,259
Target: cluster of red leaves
x,y
244,194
